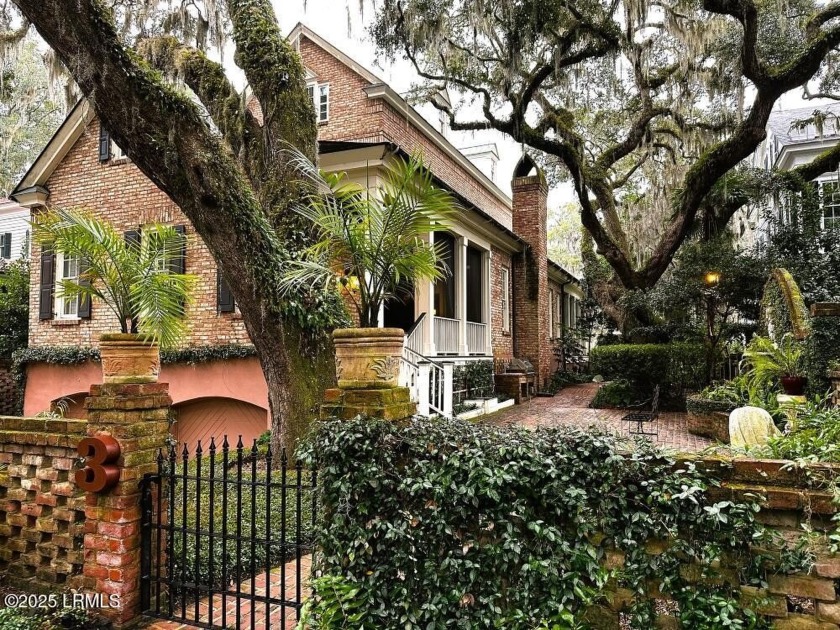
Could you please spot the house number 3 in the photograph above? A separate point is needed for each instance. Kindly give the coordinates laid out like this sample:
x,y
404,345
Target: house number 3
x,y
101,471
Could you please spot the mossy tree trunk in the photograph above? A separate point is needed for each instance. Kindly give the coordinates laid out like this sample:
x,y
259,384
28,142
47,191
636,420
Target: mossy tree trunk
x,y
234,182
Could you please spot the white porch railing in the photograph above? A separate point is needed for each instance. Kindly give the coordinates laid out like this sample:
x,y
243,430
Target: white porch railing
x,y
429,382
476,338
446,335
414,338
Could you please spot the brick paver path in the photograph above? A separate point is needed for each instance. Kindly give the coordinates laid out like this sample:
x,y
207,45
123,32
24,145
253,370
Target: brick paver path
x,y
278,618
570,407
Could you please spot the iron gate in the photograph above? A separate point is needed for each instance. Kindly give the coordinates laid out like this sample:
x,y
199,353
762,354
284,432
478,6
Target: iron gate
x,y
226,537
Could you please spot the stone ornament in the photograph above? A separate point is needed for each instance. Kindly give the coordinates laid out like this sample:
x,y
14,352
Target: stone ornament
x,y
751,426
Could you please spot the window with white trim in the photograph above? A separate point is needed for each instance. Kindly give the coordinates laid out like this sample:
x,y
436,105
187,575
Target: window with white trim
x,y
505,299
67,268
320,95
117,152
830,204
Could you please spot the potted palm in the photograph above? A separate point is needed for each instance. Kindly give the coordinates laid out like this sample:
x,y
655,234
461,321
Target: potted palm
x,y
132,278
784,361
370,245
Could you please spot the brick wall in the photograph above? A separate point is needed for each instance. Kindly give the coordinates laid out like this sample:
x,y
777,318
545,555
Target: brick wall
x,y
792,500
530,278
41,510
119,192
355,117
9,391
502,341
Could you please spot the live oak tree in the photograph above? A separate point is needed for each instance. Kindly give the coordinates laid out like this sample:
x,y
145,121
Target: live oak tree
x,y
648,107
226,165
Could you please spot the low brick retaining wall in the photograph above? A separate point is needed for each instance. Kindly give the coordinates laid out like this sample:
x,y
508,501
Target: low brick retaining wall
x,y
42,512
793,498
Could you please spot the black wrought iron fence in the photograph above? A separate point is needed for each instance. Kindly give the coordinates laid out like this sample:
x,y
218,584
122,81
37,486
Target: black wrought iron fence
x,y
227,537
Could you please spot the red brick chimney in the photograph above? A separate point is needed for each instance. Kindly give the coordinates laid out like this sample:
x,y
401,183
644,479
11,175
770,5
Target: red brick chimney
x,y
530,276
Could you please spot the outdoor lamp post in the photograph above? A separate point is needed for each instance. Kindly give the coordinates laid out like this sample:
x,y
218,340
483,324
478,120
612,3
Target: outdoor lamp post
x,y
711,279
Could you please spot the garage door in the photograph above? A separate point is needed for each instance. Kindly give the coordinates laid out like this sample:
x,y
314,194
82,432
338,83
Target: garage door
x,y
216,417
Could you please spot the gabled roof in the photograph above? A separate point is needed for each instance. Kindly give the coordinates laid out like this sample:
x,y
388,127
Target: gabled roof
x,y
779,124
57,148
311,35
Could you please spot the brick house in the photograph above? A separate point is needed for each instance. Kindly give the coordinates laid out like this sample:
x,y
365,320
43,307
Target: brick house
x,y
505,299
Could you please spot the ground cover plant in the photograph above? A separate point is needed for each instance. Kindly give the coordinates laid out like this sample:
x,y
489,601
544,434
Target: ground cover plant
x,y
441,523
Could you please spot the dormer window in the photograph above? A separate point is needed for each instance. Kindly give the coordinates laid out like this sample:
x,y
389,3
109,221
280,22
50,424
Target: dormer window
x,y
320,95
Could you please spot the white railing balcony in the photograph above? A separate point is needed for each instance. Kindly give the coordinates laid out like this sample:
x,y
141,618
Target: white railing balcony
x,y
476,338
446,335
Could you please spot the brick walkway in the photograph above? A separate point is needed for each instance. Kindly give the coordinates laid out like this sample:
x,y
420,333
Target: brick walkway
x,y
278,619
570,407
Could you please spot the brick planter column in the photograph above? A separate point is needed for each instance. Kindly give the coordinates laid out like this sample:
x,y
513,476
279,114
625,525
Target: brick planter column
x,y
137,417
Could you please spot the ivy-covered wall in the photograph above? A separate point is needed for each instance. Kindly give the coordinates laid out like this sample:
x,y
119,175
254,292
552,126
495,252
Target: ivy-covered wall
x,y
822,346
444,524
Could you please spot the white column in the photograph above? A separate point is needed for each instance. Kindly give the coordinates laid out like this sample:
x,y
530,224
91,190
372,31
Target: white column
x,y
423,389
425,302
447,389
486,307
461,293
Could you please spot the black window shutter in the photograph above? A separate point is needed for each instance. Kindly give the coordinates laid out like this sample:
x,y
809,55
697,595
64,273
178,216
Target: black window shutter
x,y
132,239
104,144
178,264
224,295
84,302
47,287
7,245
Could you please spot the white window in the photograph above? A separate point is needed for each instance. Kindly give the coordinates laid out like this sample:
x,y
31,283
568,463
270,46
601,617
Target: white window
x,y
150,242
320,95
830,205
505,299
67,268
117,152
558,309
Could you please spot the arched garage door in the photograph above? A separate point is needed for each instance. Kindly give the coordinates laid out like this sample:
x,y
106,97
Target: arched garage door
x,y
216,417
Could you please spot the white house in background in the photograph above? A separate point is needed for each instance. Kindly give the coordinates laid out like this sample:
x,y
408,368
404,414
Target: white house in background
x,y
14,231
789,145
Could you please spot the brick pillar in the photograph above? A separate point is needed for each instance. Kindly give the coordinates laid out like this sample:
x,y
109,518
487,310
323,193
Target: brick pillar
x,y
137,417
530,275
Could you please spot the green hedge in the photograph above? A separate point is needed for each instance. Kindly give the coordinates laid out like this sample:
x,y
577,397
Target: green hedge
x,y
441,523
676,367
821,348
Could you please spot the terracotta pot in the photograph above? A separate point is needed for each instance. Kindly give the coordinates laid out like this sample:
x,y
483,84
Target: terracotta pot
x,y
129,359
794,385
368,358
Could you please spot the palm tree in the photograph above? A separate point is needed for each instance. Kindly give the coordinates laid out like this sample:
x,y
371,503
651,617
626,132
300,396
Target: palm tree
x,y
371,243
132,278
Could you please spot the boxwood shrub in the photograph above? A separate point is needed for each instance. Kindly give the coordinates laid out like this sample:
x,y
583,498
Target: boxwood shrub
x,y
442,523
676,367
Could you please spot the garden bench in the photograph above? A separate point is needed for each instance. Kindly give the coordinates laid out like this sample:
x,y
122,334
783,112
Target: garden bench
x,y
645,422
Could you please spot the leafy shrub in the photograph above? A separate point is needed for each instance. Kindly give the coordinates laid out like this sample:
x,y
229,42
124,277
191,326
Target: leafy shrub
x,y
441,523
676,368
816,436
741,391
616,394
821,350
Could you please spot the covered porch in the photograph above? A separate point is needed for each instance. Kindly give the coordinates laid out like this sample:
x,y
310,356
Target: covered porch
x,y
451,316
